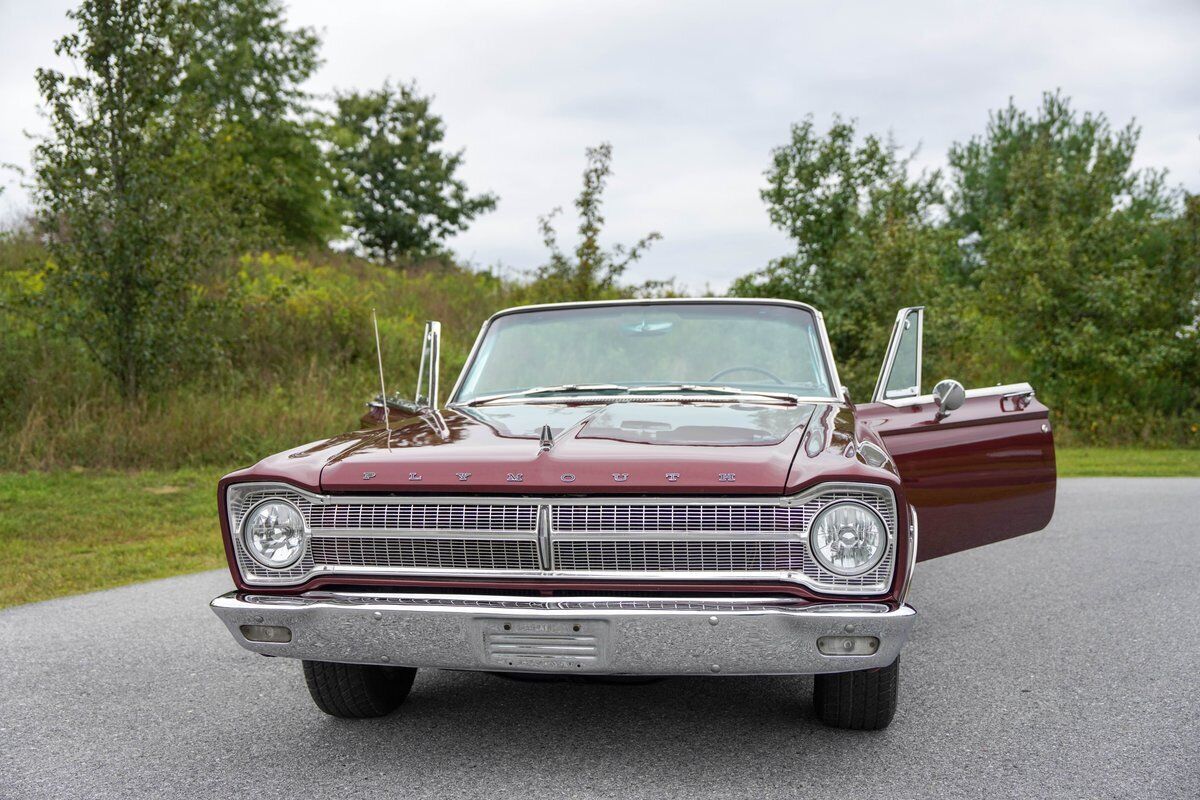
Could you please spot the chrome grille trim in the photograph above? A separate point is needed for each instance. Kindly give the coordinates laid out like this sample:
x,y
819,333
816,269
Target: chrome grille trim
x,y
666,539
509,603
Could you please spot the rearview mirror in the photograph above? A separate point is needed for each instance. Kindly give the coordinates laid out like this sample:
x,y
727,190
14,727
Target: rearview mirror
x,y
948,395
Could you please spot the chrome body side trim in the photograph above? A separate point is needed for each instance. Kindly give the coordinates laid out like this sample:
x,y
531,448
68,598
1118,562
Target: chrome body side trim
x,y
1002,390
911,561
660,539
830,364
597,635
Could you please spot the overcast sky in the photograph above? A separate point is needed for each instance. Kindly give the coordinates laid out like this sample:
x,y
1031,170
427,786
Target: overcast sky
x,y
693,96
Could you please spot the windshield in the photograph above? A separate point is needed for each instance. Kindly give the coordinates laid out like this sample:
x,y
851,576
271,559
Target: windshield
x,y
608,349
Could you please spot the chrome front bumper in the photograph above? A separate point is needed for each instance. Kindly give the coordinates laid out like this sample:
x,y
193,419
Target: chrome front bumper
x,y
601,635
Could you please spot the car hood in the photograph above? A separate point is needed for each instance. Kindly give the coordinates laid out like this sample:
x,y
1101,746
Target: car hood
x,y
625,447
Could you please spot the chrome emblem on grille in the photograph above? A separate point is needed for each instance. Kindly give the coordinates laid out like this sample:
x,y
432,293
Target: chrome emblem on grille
x,y
368,475
672,476
567,478
726,477
515,477
620,477
462,476
414,476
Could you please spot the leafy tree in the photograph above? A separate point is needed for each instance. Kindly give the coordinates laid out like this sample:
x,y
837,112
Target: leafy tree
x,y
865,242
246,67
591,272
1088,266
1042,255
123,191
400,186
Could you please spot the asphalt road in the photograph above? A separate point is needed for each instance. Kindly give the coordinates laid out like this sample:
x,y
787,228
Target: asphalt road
x,y
1062,664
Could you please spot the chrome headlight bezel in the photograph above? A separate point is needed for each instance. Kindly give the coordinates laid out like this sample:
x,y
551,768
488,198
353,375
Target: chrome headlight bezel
x,y
244,534
881,551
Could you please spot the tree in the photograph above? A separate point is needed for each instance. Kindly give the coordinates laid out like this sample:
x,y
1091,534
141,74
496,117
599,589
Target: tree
x,y
591,272
1043,255
180,136
247,67
864,235
122,190
399,185
1088,266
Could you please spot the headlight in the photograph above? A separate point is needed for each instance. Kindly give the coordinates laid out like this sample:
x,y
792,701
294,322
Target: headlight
x,y
273,532
848,538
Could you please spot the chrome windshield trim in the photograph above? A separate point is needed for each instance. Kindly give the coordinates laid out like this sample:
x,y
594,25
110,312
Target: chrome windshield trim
x,y
823,335
592,399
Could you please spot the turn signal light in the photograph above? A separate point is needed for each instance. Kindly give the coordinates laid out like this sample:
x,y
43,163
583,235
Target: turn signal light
x,y
267,633
848,645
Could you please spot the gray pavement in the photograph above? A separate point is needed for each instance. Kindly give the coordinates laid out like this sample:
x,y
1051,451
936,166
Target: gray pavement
x,y
1061,664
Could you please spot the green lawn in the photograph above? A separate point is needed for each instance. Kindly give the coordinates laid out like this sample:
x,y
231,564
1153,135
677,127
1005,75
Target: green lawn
x,y
1091,462
69,532
78,531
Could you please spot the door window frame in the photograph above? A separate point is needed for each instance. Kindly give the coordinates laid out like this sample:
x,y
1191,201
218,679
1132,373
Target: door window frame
x,y
889,360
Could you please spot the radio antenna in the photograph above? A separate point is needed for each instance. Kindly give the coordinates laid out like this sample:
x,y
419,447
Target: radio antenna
x,y
387,423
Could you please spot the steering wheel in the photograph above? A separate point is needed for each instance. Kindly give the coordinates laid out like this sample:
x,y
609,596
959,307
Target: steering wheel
x,y
747,368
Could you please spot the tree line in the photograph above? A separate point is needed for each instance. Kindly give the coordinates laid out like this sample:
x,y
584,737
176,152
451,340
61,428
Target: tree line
x,y
1040,252
183,138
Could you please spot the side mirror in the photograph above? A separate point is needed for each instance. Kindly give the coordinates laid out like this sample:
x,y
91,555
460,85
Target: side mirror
x,y
948,395
428,372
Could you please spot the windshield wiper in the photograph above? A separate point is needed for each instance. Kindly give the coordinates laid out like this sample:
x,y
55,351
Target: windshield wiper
x,y
566,388
574,388
725,390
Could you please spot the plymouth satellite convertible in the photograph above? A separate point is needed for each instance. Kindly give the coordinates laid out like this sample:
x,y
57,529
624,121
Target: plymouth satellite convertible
x,y
633,488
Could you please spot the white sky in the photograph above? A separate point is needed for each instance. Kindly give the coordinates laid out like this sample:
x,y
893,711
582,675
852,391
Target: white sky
x,y
694,95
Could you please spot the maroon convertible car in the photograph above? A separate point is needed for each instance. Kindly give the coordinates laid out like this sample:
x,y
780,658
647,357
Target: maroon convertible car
x,y
655,487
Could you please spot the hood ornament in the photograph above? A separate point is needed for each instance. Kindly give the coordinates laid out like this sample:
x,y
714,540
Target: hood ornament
x,y
546,440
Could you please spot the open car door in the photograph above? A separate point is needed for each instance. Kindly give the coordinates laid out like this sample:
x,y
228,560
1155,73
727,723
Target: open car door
x,y
977,464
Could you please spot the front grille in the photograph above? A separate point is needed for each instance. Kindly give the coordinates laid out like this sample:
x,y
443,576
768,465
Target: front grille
x,y
422,517
462,554
679,556
678,518
579,538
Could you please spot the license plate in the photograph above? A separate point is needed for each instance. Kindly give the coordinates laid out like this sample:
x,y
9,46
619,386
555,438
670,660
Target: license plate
x,y
547,645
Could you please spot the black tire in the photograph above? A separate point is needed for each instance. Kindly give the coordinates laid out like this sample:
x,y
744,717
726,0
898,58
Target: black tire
x,y
357,691
859,701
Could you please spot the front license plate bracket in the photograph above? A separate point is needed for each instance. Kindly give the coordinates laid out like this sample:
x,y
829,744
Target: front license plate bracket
x,y
545,645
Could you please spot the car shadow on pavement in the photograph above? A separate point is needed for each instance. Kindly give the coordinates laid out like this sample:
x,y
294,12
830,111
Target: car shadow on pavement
x,y
665,728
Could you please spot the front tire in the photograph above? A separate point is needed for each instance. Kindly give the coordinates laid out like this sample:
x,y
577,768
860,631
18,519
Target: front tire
x,y
864,700
357,691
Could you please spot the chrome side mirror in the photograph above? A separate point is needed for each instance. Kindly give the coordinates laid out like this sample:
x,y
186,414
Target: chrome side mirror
x,y
948,395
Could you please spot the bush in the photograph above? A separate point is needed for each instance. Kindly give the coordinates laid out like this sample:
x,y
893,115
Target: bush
x,y
296,362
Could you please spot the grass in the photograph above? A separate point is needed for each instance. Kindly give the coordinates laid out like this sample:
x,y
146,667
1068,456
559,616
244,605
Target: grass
x,y
1081,462
75,531
72,531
